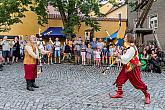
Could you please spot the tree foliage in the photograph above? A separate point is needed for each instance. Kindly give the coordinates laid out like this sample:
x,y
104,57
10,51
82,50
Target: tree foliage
x,y
73,12
11,12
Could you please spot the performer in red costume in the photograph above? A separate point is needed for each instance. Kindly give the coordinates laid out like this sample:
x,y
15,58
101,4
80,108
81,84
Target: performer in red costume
x,y
130,70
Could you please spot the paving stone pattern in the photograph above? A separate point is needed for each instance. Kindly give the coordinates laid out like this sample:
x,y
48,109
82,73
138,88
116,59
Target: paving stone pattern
x,y
76,87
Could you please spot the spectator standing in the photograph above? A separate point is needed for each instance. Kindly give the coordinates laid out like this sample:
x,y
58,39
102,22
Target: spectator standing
x,y
94,43
49,47
21,50
42,48
94,47
104,55
100,44
77,50
16,50
6,50
98,57
89,53
111,52
66,51
83,53
57,53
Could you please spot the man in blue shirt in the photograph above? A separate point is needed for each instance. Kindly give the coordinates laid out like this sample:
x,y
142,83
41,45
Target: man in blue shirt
x,y
94,43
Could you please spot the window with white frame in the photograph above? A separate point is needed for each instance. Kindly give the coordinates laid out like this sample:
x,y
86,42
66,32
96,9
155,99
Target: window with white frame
x,y
135,22
153,21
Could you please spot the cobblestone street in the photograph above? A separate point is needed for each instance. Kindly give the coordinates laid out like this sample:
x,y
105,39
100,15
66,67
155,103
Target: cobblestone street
x,y
76,87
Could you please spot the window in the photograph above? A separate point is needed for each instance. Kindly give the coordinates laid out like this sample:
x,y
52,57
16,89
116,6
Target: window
x,y
153,21
135,22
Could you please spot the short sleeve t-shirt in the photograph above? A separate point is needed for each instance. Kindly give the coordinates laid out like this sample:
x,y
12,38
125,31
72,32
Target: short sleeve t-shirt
x,y
89,51
49,47
41,47
77,44
57,45
94,45
98,54
100,45
111,51
5,46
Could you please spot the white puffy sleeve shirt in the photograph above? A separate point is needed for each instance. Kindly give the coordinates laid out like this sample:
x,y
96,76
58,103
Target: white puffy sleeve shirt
x,y
128,55
31,53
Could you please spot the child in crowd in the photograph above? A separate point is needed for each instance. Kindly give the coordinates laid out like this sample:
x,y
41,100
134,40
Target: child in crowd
x,y
104,55
94,56
89,52
111,50
98,57
83,53
49,47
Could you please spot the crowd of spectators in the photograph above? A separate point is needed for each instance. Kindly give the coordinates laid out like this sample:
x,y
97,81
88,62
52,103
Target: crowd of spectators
x,y
151,58
96,52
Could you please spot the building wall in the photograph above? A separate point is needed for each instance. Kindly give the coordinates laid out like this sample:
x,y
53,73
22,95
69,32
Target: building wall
x,y
104,9
158,8
30,27
110,26
122,10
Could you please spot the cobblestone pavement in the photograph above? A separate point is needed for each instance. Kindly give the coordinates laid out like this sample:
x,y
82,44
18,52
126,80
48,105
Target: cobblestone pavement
x,y
76,87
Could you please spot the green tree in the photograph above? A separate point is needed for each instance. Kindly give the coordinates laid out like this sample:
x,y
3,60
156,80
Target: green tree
x,y
11,12
73,12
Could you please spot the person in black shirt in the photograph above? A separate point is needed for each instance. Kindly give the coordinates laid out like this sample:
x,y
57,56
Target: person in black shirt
x,y
16,50
67,51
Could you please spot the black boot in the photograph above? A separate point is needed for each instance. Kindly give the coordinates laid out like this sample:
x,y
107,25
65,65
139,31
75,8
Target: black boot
x,y
33,84
29,85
